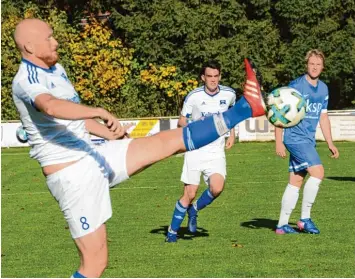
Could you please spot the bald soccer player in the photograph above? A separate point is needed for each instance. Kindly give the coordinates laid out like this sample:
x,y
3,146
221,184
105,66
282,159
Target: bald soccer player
x,y
79,174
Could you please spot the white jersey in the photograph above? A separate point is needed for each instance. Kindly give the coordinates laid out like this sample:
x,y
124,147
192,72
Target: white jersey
x,y
198,104
52,140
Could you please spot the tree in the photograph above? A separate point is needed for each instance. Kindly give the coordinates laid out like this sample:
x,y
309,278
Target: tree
x,y
329,26
187,33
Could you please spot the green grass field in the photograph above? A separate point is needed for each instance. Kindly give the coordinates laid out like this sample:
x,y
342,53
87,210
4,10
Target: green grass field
x,y
36,241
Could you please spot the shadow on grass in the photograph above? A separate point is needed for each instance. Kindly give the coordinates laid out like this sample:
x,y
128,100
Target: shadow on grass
x,y
183,232
258,223
341,178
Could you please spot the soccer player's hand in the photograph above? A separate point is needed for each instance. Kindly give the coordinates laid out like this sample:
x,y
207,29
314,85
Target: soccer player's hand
x,y
229,143
110,120
281,150
334,150
121,131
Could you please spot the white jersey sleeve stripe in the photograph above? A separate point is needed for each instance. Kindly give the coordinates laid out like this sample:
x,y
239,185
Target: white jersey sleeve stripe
x,y
32,74
29,74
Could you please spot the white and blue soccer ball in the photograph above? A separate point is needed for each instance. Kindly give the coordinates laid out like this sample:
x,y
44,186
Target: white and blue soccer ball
x,y
286,107
21,135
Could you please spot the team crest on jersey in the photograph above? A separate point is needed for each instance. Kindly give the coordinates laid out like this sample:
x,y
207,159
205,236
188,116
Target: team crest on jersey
x,y
222,102
203,103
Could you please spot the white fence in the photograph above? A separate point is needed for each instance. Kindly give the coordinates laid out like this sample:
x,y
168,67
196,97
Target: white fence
x,y
253,129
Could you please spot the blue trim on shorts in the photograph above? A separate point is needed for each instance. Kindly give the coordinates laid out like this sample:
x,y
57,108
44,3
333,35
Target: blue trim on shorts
x,y
302,156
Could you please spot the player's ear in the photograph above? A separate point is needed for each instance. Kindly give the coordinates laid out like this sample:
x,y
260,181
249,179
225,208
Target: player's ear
x,y
203,78
28,47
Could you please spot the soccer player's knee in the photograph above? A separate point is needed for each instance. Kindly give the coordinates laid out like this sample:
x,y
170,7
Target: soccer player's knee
x,y
217,188
216,191
317,172
191,194
296,181
216,185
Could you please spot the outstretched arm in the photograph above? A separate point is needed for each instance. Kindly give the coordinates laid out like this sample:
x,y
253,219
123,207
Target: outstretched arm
x,y
96,128
64,109
67,110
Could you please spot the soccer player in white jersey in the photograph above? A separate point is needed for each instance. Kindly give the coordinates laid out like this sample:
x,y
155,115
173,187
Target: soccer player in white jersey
x,y
300,142
79,174
210,160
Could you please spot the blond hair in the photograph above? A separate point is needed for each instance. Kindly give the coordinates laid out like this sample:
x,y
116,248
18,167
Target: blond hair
x,y
315,52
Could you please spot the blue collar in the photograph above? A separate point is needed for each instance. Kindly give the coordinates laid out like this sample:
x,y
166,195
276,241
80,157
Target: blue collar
x,y
311,85
50,70
211,95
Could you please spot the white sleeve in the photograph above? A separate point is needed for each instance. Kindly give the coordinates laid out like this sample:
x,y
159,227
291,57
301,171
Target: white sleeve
x,y
27,90
61,68
232,103
187,107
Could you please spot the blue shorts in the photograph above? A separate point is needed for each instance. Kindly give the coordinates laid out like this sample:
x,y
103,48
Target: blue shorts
x,y
302,156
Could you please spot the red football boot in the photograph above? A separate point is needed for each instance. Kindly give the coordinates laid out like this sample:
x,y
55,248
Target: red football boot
x,y
252,91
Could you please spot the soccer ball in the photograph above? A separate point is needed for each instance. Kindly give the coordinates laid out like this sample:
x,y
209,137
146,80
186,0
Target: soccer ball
x,y
285,107
21,135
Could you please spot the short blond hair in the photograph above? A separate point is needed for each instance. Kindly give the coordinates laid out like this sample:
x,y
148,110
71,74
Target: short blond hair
x,y
315,52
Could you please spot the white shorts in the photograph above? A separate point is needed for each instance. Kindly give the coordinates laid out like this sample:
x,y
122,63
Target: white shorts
x,y
207,165
82,189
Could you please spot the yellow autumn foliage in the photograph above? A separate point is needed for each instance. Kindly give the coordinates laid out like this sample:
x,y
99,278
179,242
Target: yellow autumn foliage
x,y
167,79
98,65
101,64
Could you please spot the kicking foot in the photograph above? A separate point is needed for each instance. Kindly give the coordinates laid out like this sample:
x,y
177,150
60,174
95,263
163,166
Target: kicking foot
x,y
252,90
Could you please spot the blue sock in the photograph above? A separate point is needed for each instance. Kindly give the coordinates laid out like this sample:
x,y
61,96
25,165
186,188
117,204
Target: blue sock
x,y
203,132
178,216
78,275
205,199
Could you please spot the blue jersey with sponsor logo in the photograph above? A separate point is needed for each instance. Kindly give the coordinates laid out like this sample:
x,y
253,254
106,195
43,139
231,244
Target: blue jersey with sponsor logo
x,y
317,102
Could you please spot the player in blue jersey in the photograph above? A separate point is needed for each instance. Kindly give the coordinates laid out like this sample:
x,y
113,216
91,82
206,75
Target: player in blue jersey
x,y
301,144
210,160
78,173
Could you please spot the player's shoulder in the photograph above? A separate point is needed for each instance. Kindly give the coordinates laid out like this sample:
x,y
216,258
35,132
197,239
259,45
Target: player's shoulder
x,y
33,73
195,93
227,89
58,68
30,74
322,85
227,92
298,81
27,75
